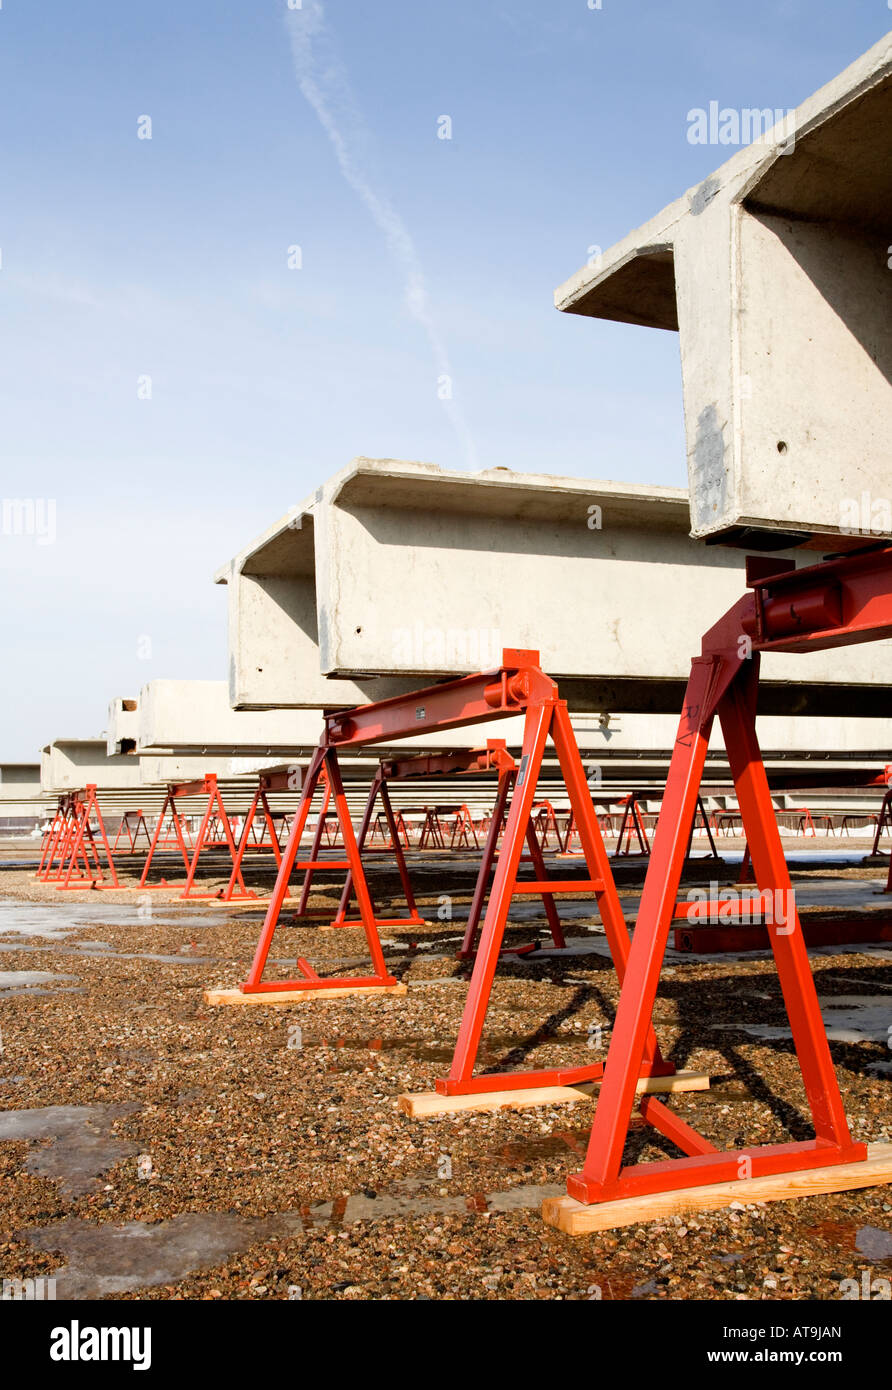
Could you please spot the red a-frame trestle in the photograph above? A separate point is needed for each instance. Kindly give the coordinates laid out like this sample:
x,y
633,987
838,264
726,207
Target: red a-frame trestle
x,y
837,603
519,686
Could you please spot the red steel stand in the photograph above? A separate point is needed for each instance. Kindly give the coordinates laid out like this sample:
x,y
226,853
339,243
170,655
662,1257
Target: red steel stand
x,y
545,716
267,782
884,821
52,837
78,850
518,686
324,760
507,778
493,758
834,604
632,822
384,773
131,823
464,830
215,830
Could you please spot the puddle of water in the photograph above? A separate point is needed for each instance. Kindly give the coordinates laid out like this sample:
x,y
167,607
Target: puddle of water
x,y
55,921
12,979
851,1018
361,1207
106,1259
101,1258
874,1243
856,1017
15,983
82,1145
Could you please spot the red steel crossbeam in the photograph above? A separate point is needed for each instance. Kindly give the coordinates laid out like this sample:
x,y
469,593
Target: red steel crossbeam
x,y
475,699
215,815
834,604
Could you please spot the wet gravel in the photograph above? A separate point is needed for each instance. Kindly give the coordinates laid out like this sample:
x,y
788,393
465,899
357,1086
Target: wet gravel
x,y
277,1132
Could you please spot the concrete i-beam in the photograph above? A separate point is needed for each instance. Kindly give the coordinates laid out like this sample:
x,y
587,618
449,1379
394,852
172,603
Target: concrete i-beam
x,y
69,764
195,718
775,273
410,572
189,725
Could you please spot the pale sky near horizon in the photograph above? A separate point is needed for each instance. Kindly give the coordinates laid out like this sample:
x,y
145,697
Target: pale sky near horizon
x,y
170,384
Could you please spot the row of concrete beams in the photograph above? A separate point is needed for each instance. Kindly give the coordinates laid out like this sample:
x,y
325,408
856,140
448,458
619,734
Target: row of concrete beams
x,y
166,731
71,764
395,573
774,271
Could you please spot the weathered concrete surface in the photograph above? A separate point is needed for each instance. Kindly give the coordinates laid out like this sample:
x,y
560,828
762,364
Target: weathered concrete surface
x,y
774,271
420,573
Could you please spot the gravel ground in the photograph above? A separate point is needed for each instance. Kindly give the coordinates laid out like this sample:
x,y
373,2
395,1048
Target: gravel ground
x,y
252,1153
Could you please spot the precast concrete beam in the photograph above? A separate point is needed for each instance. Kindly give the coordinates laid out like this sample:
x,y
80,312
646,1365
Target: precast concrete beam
x,y
775,273
122,727
156,770
421,573
69,764
274,658
195,717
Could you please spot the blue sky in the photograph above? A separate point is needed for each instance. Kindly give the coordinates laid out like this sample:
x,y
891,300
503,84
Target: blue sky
x,y
127,258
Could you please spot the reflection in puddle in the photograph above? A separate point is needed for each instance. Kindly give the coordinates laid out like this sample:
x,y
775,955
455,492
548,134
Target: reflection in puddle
x,y
15,983
870,1241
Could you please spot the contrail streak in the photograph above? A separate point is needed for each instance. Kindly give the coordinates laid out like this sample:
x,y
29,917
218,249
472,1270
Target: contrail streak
x,y
324,82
